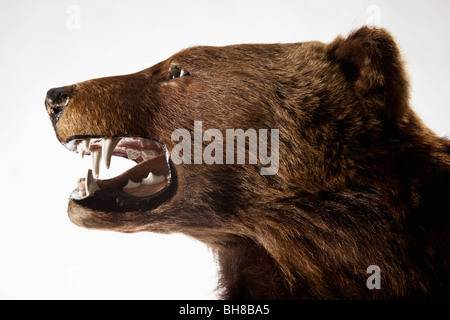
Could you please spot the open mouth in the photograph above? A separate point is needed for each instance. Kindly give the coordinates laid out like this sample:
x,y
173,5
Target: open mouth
x,y
148,178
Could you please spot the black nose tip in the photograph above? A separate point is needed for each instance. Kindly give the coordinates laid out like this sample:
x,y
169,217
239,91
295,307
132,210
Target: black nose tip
x,y
57,100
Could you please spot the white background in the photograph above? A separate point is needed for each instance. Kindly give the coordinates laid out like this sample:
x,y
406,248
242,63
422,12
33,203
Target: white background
x,y
45,44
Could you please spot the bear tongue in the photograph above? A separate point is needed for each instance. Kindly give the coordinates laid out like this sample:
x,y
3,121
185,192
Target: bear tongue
x,y
157,165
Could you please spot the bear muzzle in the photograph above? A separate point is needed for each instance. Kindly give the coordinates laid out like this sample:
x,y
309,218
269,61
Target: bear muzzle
x,y
56,101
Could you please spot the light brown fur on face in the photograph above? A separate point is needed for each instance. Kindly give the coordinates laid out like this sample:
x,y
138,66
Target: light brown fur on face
x,y
361,180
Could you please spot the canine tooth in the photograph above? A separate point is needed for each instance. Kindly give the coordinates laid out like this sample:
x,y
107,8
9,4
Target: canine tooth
x,y
108,147
96,156
152,179
182,73
149,154
90,184
133,154
132,185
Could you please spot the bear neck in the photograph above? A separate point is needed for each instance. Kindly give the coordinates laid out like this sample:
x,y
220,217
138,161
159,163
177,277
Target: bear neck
x,y
244,267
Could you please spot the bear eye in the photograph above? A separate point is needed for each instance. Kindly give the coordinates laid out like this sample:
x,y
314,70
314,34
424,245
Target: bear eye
x,y
177,72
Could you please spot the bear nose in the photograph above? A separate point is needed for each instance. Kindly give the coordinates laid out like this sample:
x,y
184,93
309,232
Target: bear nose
x,y
57,100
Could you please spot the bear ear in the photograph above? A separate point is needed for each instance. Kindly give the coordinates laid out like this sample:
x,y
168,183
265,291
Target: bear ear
x,y
370,59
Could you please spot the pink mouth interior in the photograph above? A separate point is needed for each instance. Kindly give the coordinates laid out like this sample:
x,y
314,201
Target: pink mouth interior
x,y
149,156
126,143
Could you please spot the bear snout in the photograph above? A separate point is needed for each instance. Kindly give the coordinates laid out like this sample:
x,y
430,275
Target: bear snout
x,y
57,100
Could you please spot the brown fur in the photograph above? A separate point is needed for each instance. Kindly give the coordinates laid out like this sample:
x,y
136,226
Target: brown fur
x,y
361,180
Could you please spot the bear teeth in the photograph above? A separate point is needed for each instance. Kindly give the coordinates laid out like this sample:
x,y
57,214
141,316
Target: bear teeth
x,y
86,144
131,184
90,184
133,154
108,147
83,146
150,180
147,154
102,150
96,157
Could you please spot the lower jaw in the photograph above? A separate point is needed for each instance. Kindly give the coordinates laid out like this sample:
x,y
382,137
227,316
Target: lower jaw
x,y
114,200
142,180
